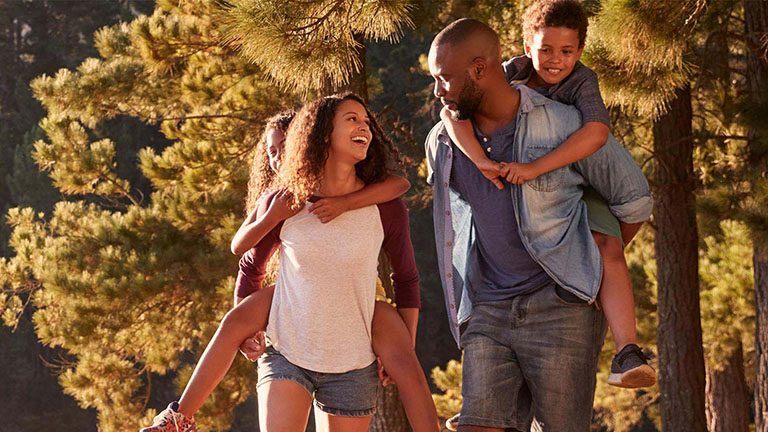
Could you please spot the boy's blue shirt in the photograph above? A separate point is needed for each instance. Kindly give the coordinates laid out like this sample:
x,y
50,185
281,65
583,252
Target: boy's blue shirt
x,y
580,88
552,218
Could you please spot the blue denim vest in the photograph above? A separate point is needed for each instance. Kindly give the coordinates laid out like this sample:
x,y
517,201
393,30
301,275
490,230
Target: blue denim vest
x,y
551,216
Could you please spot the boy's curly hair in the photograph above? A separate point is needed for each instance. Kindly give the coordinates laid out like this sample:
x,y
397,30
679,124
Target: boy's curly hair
x,y
261,176
307,143
555,13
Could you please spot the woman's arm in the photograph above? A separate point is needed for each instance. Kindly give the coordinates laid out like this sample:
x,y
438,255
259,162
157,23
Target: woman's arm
x,y
411,318
261,222
582,143
328,209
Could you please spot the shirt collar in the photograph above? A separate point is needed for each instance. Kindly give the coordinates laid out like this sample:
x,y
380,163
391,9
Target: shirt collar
x,y
529,99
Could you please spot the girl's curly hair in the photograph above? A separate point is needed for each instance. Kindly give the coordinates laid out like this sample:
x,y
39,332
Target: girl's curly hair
x,y
307,143
261,176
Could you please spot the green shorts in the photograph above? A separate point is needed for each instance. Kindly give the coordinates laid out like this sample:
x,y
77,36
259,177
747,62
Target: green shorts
x,y
599,215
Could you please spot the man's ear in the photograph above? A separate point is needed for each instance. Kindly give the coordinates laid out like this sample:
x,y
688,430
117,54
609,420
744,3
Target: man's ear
x,y
479,67
527,49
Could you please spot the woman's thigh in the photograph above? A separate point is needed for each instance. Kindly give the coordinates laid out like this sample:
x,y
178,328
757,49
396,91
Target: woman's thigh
x,y
283,406
325,422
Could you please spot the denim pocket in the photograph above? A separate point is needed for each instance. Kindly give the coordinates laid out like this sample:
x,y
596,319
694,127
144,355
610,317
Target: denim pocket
x,y
568,298
547,182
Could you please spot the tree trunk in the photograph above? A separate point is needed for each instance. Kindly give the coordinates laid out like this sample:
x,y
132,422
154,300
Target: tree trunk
x,y
728,396
756,23
761,340
681,357
390,414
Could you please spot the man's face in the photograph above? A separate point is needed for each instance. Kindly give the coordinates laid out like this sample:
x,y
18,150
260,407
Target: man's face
x,y
554,52
457,90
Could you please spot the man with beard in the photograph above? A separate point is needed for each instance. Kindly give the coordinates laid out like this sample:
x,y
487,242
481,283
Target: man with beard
x,y
518,264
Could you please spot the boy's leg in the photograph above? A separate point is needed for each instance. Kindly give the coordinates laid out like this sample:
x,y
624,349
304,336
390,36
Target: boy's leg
x,y
283,406
557,339
243,321
616,297
392,343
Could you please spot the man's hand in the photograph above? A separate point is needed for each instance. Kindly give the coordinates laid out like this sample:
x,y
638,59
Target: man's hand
x,y
253,347
519,173
328,209
383,375
280,207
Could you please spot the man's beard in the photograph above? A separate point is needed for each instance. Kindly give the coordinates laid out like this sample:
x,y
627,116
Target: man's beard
x,y
469,99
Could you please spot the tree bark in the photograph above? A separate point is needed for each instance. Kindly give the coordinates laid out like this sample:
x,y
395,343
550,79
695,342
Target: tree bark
x,y
756,28
681,357
390,414
728,396
761,340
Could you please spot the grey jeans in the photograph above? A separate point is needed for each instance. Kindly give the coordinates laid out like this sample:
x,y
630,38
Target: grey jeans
x,y
534,356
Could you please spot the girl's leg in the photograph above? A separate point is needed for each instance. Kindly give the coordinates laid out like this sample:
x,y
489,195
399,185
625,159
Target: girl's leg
x,y
283,406
240,323
616,291
325,422
392,343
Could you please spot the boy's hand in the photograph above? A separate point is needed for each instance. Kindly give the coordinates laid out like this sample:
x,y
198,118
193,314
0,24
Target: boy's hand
x,y
518,173
383,375
253,347
457,129
280,207
328,209
492,171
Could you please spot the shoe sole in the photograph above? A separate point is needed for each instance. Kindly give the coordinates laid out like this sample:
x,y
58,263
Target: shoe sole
x,y
639,377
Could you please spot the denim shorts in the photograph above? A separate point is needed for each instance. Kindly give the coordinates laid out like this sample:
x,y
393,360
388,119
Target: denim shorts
x,y
531,360
349,394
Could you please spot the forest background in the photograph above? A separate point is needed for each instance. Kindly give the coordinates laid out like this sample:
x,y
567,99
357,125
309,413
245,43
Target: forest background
x,y
126,132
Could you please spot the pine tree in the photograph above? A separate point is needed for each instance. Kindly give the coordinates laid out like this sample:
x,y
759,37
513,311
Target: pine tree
x,y
132,284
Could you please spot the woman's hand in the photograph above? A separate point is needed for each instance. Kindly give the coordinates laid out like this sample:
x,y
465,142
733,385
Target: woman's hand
x,y
253,347
328,209
383,375
519,173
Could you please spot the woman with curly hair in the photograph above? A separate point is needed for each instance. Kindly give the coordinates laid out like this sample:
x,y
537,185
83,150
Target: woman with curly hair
x,y
315,164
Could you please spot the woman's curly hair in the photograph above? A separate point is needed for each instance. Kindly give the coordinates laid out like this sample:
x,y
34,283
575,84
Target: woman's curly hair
x,y
261,176
307,143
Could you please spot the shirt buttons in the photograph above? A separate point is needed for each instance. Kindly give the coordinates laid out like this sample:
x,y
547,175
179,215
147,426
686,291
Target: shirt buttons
x,y
448,243
448,275
488,149
449,156
447,213
485,139
445,184
453,307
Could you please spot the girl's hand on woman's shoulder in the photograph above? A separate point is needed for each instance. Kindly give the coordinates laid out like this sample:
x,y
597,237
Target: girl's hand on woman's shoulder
x,y
280,207
328,209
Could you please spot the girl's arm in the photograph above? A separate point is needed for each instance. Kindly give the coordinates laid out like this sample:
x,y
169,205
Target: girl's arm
x,y
330,208
581,144
411,318
261,222
463,136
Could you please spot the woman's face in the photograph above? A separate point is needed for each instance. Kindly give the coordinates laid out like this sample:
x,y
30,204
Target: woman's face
x,y
275,145
351,134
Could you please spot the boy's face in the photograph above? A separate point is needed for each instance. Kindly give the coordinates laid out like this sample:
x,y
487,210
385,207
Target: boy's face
x,y
554,51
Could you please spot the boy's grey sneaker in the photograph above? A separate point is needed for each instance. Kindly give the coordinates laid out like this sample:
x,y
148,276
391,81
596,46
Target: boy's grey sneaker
x,y
630,369
171,420
452,424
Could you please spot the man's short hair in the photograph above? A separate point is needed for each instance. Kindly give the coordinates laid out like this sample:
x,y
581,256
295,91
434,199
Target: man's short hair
x,y
461,30
555,13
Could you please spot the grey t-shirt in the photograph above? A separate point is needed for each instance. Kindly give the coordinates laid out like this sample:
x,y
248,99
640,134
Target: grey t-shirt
x,y
506,267
579,89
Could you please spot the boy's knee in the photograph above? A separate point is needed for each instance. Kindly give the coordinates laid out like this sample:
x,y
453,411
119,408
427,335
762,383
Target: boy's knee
x,y
609,246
